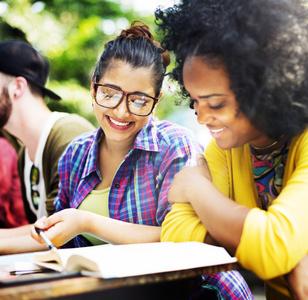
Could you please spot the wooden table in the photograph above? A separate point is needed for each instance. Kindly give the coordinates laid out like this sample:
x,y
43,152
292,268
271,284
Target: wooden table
x,y
171,285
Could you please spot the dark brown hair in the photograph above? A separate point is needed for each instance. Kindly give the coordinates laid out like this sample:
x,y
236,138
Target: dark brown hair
x,y
136,47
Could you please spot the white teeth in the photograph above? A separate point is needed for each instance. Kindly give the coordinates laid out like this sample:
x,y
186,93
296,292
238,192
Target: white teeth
x,y
118,123
217,130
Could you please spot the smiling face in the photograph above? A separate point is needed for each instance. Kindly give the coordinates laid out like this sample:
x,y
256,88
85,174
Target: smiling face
x,y
216,105
119,124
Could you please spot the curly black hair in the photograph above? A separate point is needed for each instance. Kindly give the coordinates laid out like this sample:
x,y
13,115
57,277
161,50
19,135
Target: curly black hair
x,y
262,43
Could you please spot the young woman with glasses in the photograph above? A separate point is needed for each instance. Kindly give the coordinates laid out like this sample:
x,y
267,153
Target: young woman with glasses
x,y
114,182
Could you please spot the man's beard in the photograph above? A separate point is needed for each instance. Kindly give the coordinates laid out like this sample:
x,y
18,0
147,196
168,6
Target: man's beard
x,y
5,107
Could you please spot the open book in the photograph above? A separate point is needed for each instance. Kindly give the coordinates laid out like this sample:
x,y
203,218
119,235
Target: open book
x,y
114,261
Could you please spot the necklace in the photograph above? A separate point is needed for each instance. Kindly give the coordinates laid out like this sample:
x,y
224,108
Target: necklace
x,y
269,146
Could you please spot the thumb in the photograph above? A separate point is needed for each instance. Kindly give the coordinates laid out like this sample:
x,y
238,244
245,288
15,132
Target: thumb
x,y
201,160
45,223
41,223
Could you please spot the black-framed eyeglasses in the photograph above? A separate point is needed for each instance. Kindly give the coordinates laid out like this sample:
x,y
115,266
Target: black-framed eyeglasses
x,y
138,104
34,181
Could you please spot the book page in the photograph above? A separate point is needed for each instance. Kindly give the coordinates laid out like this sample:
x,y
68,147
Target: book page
x,y
115,261
55,259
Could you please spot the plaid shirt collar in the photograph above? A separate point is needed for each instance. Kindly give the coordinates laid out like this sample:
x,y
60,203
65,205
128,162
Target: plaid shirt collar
x,y
146,140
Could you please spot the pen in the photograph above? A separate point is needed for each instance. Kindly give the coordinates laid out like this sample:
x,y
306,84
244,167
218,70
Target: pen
x,y
48,243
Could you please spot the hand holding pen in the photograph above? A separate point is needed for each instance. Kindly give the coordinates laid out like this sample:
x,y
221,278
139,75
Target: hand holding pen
x,y
61,226
48,243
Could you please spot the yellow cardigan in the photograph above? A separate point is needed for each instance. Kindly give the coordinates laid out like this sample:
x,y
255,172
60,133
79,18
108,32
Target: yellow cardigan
x,y
273,241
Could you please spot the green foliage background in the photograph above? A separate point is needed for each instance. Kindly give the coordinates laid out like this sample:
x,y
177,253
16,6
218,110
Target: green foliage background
x,y
71,35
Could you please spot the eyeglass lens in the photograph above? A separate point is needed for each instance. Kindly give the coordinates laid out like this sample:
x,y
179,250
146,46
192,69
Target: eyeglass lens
x,y
138,104
34,180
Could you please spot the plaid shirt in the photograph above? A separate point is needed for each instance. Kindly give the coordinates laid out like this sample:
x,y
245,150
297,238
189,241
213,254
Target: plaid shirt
x,y
221,286
138,193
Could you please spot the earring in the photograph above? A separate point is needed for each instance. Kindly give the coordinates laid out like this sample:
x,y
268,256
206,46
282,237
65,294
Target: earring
x,y
92,105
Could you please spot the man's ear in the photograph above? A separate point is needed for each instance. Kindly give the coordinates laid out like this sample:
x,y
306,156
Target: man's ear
x,y
18,86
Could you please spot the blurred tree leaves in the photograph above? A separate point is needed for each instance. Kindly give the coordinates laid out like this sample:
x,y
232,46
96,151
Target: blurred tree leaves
x,y
71,34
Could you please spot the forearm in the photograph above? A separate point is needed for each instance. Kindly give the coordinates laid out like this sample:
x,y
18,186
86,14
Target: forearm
x,y
15,232
223,218
119,232
68,223
19,244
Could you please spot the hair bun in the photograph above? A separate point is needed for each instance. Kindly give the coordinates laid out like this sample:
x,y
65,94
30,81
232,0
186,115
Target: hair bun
x,y
140,30
137,31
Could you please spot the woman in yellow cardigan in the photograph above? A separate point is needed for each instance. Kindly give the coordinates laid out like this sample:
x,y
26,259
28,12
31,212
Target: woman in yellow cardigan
x,y
244,64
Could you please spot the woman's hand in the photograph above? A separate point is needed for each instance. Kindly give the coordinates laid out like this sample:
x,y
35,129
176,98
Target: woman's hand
x,y
298,279
187,180
61,226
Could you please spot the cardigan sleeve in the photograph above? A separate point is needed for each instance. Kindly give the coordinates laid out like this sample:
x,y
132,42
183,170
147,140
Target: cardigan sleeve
x,y
277,239
182,224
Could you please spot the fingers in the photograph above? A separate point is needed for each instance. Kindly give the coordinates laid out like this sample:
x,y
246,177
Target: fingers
x,y
35,235
40,223
201,160
45,223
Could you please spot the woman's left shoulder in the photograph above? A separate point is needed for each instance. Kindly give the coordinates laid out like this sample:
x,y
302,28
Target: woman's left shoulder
x,y
172,130
173,136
